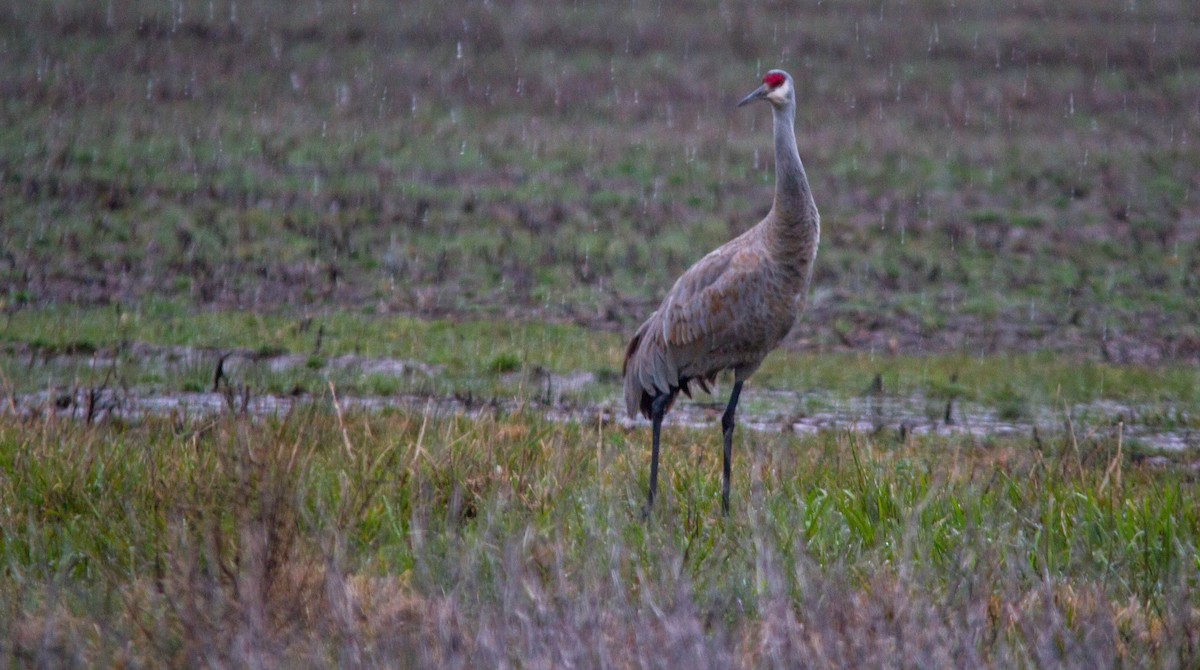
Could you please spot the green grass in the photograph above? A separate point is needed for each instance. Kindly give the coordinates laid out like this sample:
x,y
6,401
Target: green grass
x,y
478,162
409,520
438,341
472,356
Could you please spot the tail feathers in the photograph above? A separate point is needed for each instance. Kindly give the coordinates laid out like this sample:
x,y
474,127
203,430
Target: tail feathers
x,y
646,401
635,397
705,383
645,380
631,349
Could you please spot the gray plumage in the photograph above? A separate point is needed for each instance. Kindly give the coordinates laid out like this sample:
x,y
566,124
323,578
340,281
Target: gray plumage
x,y
730,309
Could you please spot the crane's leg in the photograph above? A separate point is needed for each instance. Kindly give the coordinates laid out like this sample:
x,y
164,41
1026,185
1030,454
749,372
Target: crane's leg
x,y
658,409
727,424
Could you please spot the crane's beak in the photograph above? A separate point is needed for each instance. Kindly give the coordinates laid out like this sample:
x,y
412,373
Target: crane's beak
x,y
760,92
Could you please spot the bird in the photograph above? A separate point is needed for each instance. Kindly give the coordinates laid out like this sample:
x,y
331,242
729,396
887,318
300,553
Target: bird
x,y
733,306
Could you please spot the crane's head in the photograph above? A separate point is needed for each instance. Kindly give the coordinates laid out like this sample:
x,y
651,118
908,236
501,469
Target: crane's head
x,y
776,89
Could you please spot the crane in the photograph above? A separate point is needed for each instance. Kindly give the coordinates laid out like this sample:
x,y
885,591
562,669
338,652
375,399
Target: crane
x,y
730,309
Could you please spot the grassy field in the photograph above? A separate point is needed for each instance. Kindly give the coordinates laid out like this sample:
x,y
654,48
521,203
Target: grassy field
x,y
476,202
1019,178
411,540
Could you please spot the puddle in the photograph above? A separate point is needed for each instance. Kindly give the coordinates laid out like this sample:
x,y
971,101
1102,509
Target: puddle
x,y
763,411
918,415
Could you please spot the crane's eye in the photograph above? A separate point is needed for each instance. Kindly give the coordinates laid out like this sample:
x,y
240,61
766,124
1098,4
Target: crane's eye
x,y
774,80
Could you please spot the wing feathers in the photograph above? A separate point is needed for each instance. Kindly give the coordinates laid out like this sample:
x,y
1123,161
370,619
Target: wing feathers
x,y
722,313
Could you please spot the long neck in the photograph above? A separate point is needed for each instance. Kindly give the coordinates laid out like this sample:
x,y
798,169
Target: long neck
x,y
795,225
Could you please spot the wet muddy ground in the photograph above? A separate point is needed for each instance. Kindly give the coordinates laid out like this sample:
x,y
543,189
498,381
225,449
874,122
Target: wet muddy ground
x,y
581,396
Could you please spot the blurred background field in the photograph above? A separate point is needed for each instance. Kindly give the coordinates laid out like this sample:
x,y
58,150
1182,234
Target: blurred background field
x,y
469,206
990,178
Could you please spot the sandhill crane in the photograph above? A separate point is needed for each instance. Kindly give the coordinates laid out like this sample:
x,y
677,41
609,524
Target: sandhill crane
x,y
731,308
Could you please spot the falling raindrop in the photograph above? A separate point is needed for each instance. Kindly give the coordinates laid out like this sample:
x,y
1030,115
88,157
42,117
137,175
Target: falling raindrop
x,y
459,51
